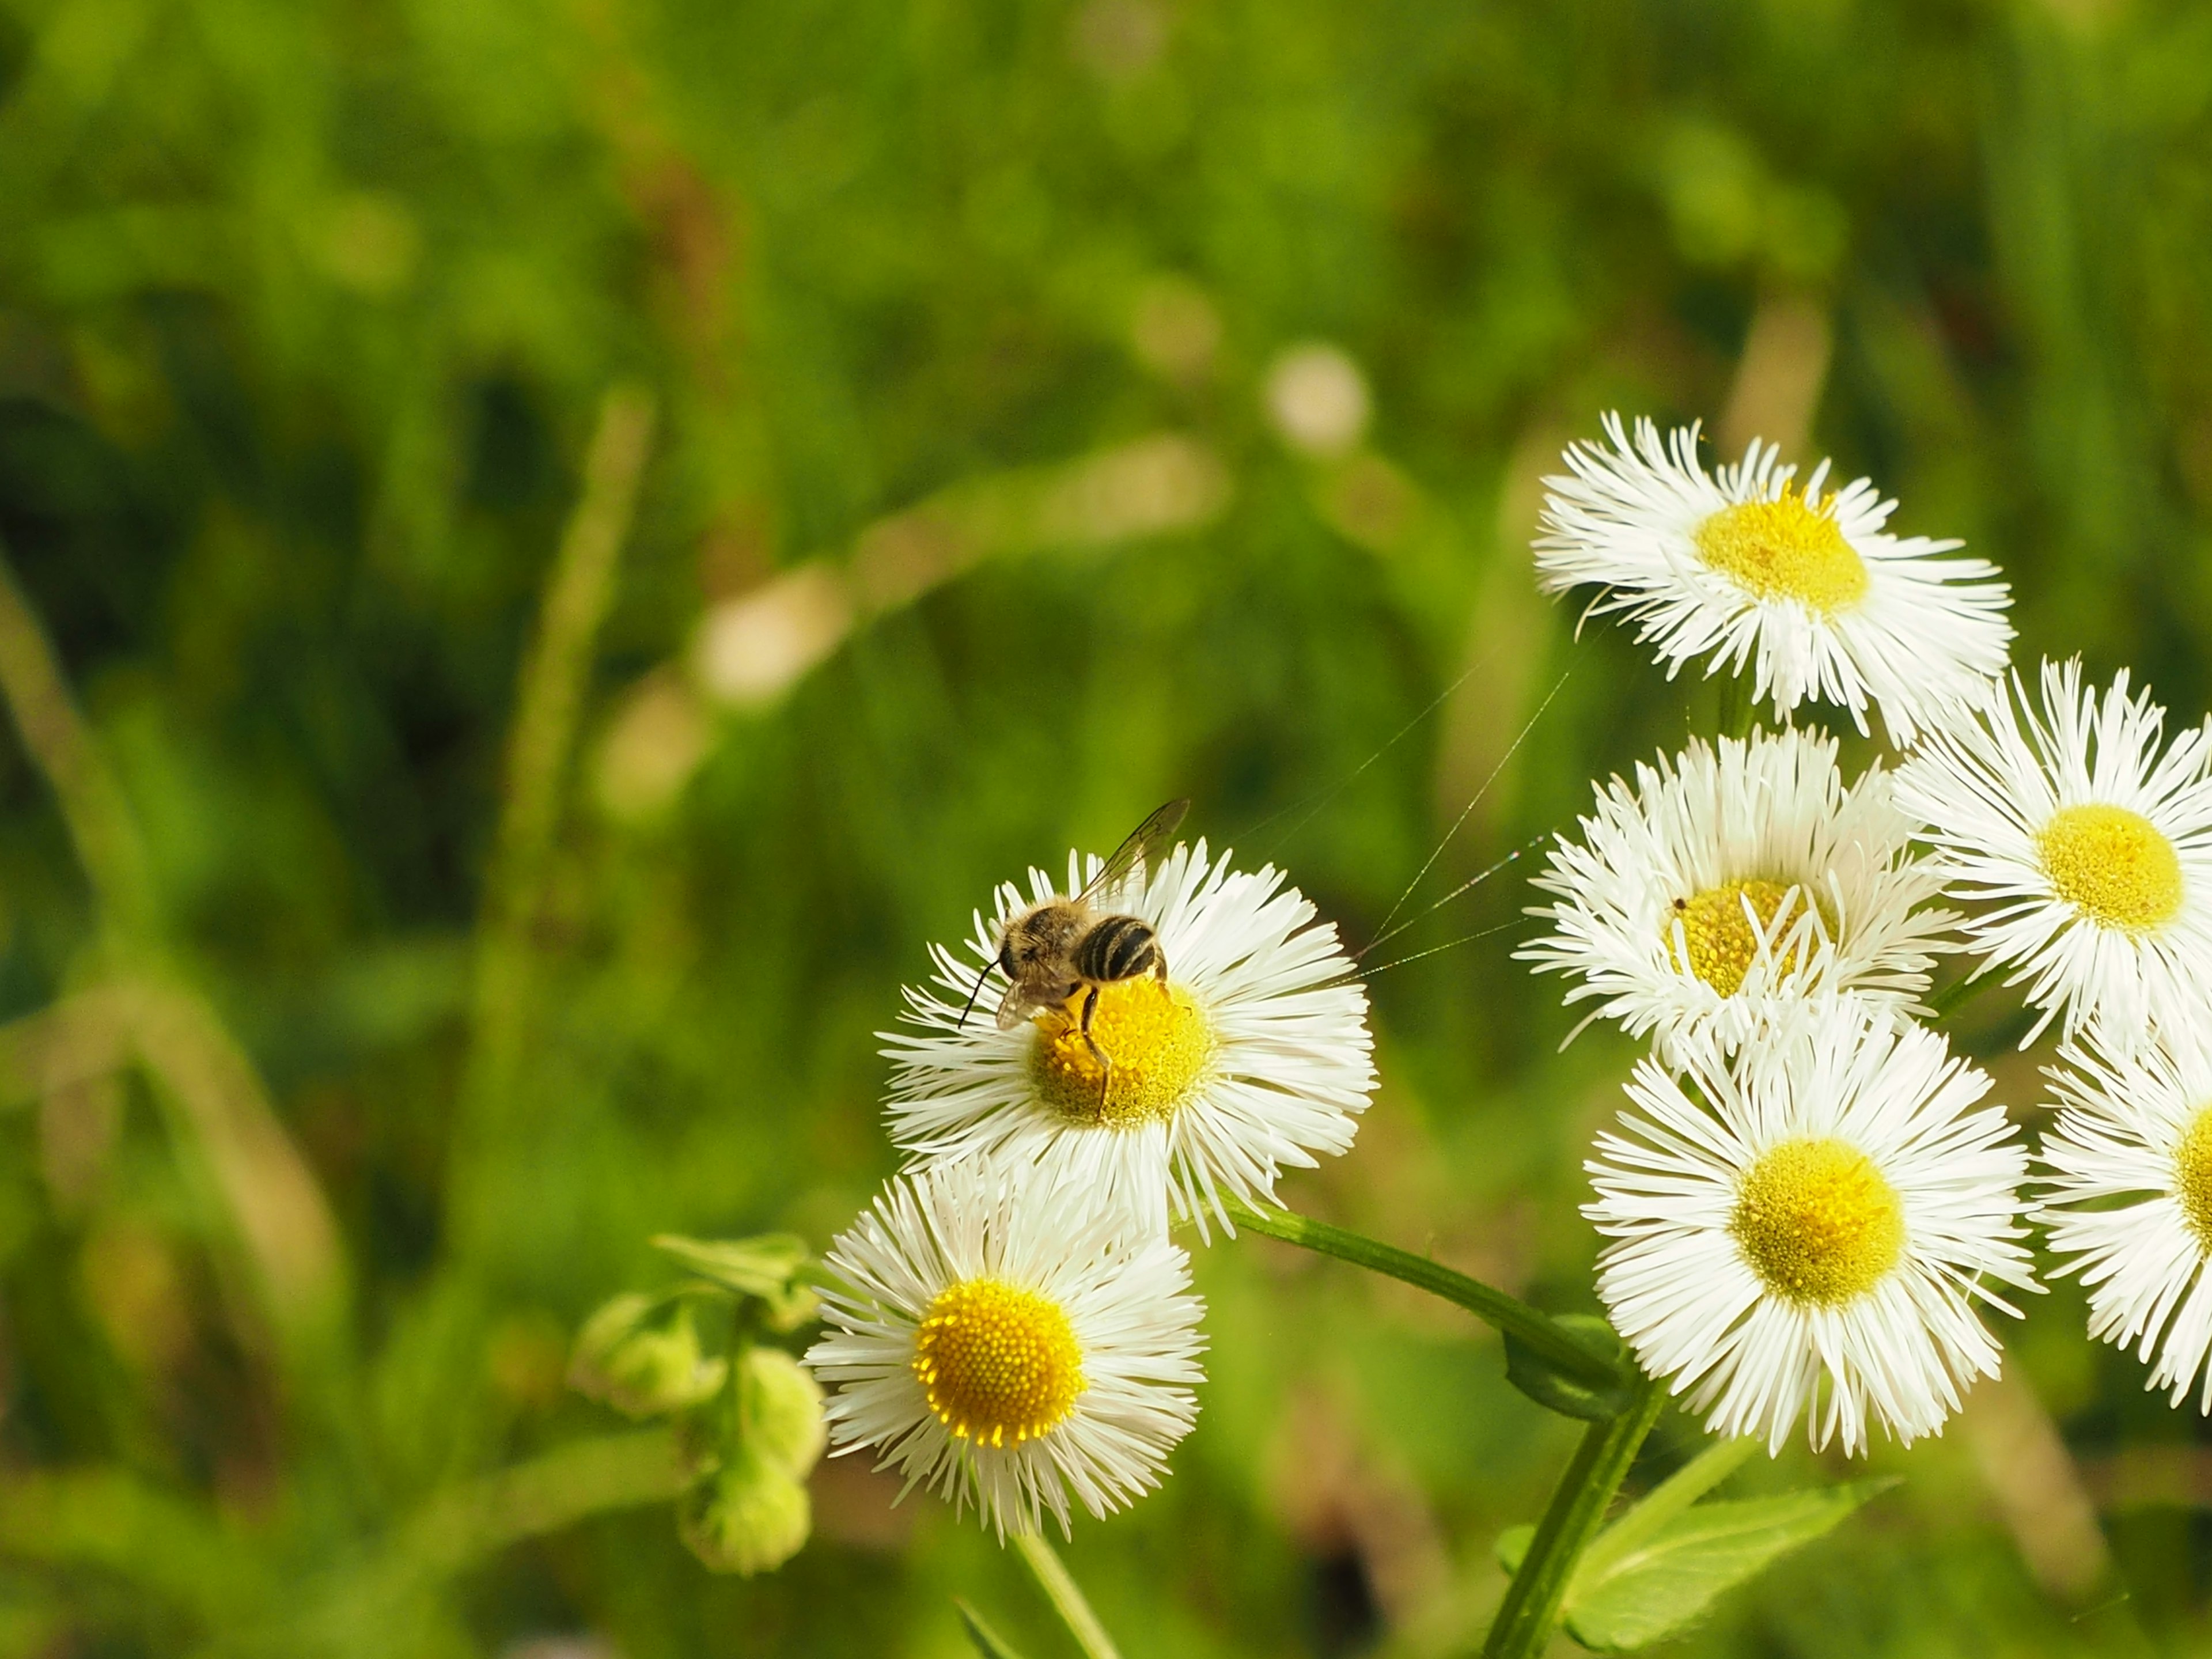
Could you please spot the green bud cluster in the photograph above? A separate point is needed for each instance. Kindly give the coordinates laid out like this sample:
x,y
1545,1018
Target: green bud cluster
x,y
747,1420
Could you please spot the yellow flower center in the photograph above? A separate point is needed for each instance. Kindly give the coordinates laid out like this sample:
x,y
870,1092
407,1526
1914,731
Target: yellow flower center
x,y
999,1364
1785,548
1817,1222
2111,865
1717,933
1157,1039
2192,1176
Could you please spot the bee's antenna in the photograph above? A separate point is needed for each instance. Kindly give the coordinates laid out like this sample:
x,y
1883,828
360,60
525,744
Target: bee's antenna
x,y
969,1007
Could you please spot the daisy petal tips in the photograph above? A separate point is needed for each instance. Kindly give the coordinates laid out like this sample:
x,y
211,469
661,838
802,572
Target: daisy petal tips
x,y
2090,851
1252,1055
1806,589
998,1336
2130,1167
1807,1234
1728,880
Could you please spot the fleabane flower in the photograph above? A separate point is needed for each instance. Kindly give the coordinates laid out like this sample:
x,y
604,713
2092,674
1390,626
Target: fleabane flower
x,y
1251,1055
2091,850
1725,879
1807,1233
1805,588
1004,1339
2130,1169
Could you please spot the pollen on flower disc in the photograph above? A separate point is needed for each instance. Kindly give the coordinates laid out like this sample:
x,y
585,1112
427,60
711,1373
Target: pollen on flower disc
x,y
1157,1039
1000,1365
1817,1221
1716,942
2192,1176
1785,548
2112,864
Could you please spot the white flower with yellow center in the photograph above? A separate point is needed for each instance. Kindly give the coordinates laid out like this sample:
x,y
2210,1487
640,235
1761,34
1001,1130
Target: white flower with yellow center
x,y
1810,1239
1725,879
1252,1056
2130,1160
1000,1337
2092,850
1806,588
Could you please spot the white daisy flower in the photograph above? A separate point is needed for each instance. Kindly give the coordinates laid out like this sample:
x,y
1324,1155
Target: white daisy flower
x,y
1001,1337
1808,589
2093,851
1251,1055
1811,1239
1724,880
2137,1124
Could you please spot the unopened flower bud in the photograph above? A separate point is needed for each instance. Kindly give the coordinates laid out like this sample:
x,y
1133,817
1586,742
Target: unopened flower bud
x,y
748,1517
640,1364
782,1411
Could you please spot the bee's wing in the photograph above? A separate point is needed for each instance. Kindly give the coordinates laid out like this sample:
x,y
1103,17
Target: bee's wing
x,y
1145,840
1012,1006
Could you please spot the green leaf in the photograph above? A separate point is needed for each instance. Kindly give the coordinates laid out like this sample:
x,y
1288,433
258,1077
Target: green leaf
x,y
752,1267
1512,1547
988,1642
770,1267
1661,1504
1573,1393
1657,1586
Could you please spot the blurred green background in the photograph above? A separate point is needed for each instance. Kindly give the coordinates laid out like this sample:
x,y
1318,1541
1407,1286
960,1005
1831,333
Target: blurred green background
x,y
1052,408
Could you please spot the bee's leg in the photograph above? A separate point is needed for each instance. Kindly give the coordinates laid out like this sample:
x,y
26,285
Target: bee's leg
x,y
1159,965
1105,1066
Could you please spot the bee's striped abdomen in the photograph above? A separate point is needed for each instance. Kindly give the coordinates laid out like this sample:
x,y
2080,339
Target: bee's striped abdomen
x,y
1118,947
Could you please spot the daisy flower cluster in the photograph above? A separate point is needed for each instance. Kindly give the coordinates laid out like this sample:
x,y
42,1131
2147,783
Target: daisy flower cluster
x,y
1010,1324
1811,1205
1810,1201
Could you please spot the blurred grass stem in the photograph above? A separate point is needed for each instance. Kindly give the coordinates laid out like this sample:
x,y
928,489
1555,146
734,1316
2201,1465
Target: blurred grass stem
x,y
228,1133
1529,1616
549,696
1492,1306
100,829
1065,1595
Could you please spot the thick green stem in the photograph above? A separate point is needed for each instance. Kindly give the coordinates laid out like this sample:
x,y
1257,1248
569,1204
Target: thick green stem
x,y
1066,1597
1537,1330
1533,1602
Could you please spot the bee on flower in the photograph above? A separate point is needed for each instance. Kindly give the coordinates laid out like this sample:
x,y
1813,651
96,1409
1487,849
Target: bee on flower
x,y
1170,1091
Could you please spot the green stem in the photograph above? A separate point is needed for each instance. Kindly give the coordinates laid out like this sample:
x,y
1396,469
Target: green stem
x,y
1957,994
1065,1596
1737,707
1533,1602
1537,1330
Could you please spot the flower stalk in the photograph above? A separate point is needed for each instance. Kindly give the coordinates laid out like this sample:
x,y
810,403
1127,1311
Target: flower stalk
x,y
1065,1595
1530,1615
1536,1330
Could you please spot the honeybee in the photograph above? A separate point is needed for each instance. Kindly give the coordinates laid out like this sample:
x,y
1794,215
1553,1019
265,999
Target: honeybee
x,y
1051,950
